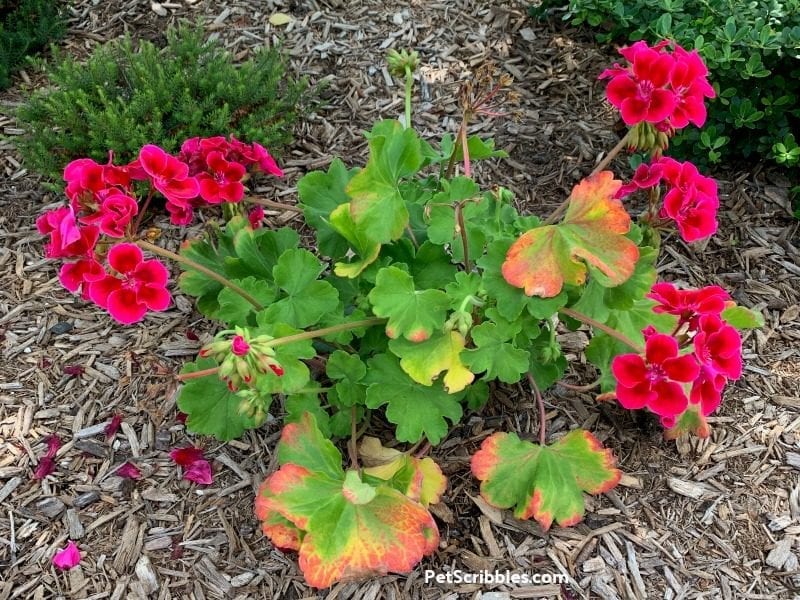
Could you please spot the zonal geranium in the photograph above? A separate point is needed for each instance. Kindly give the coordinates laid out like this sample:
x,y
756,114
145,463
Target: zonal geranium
x,y
141,285
645,176
114,213
74,276
170,176
719,346
688,305
689,82
223,180
691,201
652,381
640,91
67,239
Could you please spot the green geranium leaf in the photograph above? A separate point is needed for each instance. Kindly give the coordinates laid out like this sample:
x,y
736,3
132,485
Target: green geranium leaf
x,y
234,309
347,370
296,405
296,375
424,361
544,482
320,194
259,250
414,314
305,299
741,317
416,409
365,249
376,205
495,353
211,408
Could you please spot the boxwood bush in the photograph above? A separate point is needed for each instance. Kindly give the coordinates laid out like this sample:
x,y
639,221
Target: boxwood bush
x,y
127,95
752,49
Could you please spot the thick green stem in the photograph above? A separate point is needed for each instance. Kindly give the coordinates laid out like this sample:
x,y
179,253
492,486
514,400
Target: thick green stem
x,y
409,88
145,245
310,335
602,327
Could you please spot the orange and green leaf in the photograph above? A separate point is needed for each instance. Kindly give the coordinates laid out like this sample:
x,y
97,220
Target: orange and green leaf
x,y
544,482
344,526
592,233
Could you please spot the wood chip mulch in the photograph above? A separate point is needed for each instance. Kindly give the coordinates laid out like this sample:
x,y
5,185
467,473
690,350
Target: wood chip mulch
x,y
714,518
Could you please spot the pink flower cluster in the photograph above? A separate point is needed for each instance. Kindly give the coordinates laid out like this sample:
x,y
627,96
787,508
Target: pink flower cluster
x,y
667,89
691,199
659,380
103,201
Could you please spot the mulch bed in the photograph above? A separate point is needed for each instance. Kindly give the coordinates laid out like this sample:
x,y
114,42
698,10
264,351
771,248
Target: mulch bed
x,y
705,518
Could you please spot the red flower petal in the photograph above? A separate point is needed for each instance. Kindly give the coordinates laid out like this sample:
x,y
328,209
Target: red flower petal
x,y
684,368
670,399
113,426
660,347
186,456
635,397
629,369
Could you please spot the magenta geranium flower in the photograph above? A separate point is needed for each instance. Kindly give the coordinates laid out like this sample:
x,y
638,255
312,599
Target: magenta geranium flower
x,y
84,179
67,239
689,82
67,558
640,91
255,217
652,381
645,176
223,180
141,285
719,346
114,212
707,390
691,200
239,345
688,305
169,176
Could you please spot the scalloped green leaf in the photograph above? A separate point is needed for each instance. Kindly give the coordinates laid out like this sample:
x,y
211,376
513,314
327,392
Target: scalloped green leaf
x,y
413,314
425,361
742,317
544,482
234,309
414,408
495,353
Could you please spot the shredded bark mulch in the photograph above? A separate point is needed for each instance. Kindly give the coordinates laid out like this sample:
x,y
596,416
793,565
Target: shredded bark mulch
x,y
702,519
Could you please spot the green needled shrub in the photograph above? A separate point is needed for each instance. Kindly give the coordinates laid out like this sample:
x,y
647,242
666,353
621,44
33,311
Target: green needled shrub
x,y
26,26
126,96
752,50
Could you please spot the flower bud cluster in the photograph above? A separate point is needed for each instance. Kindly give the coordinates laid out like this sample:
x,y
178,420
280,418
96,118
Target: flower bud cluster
x,y
242,357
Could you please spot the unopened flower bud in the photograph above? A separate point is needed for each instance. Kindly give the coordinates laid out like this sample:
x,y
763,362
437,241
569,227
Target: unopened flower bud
x,y
398,61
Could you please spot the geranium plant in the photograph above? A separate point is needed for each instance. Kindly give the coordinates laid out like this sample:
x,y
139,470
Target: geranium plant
x,y
420,293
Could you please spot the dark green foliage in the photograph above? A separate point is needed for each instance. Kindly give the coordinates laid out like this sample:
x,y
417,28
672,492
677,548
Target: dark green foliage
x,y
124,97
752,49
26,26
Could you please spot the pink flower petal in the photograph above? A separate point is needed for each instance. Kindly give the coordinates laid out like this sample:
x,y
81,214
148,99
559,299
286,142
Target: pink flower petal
x,y
67,558
53,444
113,425
125,258
45,467
125,307
129,471
199,472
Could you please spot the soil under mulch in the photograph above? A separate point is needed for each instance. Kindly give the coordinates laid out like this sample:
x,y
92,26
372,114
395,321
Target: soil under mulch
x,y
706,518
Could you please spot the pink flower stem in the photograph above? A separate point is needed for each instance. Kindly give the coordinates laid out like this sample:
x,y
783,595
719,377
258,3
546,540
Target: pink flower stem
x,y
602,327
542,412
145,245
561,208
273,204
579,388
297,337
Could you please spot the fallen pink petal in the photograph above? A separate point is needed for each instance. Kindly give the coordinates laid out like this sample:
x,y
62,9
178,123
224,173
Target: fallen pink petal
x,y
45,467
129,471
199,472
67,558
53,444
113,426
